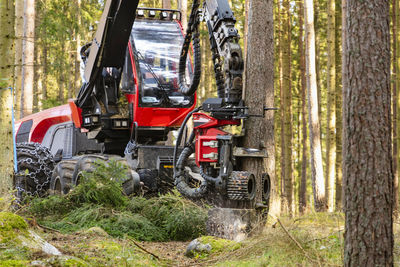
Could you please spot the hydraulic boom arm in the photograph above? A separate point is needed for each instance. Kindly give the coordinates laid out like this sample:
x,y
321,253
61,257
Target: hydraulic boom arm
x,y
106,56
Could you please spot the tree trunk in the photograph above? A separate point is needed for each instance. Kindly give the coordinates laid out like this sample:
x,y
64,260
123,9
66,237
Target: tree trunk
x,y
6,81
77,83
166,4
317,33
397,81
182,6
317,174
367,173
286,107
282,125
259,90
19,31
61,77
303,181
331,114
28,49
395,7
338,54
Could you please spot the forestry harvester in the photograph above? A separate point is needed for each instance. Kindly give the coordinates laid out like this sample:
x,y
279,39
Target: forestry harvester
x,y
139,83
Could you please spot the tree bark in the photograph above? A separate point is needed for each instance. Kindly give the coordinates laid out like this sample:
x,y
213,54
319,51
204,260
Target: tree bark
x,y
166,4
331,114
182,6
338,54
395,7
28,49
259,91
19,31
286,107
303,181
368,176
6,81
317,174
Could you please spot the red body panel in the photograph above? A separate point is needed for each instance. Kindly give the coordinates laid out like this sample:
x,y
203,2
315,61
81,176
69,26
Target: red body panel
x,y
207,131
42,121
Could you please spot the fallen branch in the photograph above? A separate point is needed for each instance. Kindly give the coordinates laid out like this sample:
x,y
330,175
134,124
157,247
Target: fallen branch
x,y
48,228
142,248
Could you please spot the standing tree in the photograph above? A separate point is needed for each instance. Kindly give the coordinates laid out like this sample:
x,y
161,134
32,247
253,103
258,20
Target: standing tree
x,y
317,174
367,172
259,91
166,3
19,31
28,50
182,6
395,7
6,80
303,181
286,107
331,138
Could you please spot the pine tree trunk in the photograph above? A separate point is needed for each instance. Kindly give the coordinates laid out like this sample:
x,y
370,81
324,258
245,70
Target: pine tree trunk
x,y
19,31
259,86
166,4
317,174
61,77
303,181
394,109
367,173
317,34
397,82
286,107
282,112
28,49
338,110
331,114
182,6
77,83
6,80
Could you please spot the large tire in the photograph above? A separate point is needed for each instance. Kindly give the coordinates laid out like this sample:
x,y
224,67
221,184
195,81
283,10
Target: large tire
x,y
35,167
62,178
87,164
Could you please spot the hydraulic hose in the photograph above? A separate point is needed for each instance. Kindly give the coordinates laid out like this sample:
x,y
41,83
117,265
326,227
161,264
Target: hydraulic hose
x,y
191,32
207,177
179,165
180,179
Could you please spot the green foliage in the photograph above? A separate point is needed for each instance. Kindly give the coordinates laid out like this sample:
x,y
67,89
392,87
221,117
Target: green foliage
x,y
102,186
98,201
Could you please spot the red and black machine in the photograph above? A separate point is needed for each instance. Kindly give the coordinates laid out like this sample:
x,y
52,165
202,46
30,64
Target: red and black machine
x,y
139,84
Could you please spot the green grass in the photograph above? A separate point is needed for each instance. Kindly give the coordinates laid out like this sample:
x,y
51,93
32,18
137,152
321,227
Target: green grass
x,y
320,239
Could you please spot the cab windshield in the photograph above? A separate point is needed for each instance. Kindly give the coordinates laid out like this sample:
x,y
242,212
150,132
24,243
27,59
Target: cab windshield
x,y
158,46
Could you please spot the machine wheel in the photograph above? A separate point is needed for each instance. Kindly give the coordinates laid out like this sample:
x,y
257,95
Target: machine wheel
x,y
87,164
62,178
241,186
35,167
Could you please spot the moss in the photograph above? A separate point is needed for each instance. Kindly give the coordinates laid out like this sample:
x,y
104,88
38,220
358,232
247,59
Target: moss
x,y
14,263
11,225
67,261
219,244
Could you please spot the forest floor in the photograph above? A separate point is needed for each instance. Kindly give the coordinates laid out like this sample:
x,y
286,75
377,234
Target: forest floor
x,y
309,240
